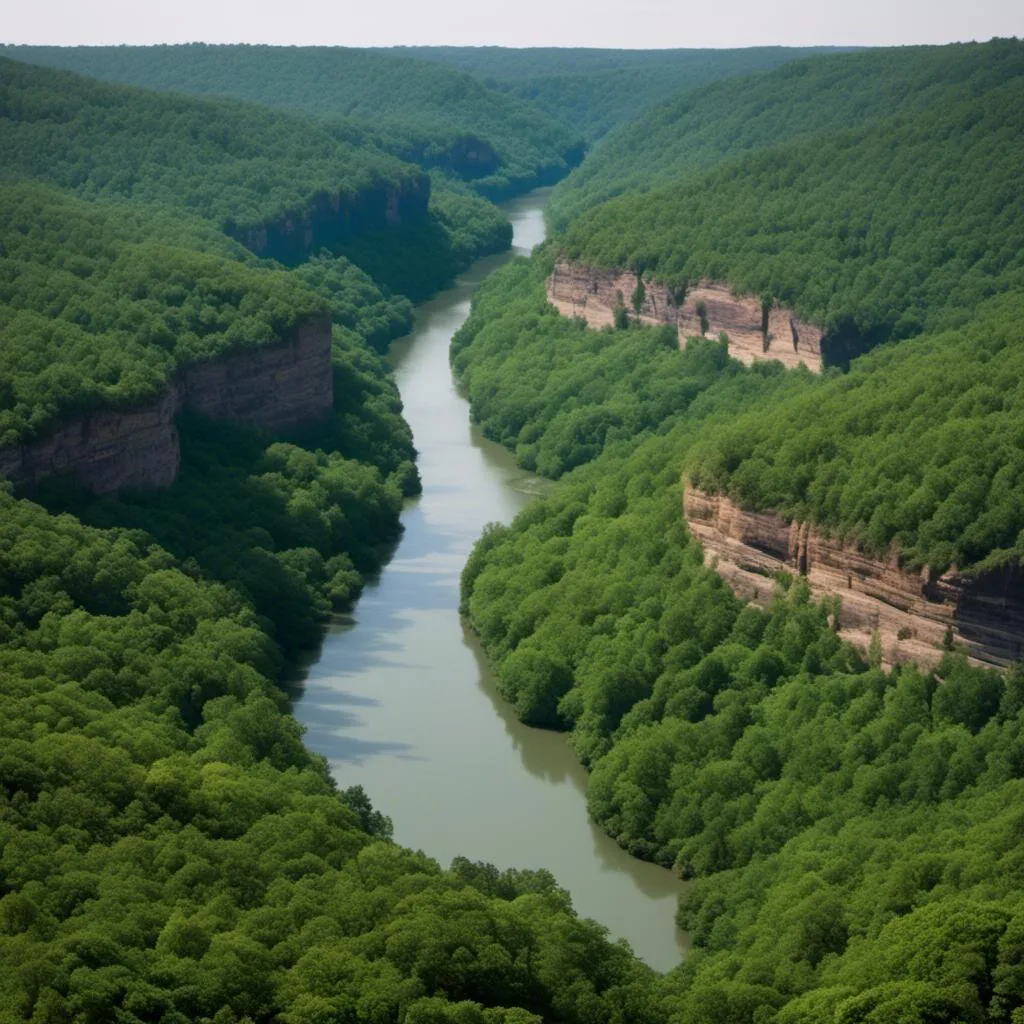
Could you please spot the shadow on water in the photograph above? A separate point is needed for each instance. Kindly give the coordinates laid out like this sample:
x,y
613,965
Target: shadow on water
x,y
400,698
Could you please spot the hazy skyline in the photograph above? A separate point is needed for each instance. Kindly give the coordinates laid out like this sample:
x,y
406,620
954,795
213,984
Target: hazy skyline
x,y
605,23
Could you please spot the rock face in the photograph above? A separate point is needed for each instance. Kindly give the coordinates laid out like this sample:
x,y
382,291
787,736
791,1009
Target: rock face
x,y
577,290
910,611
137,448
332,219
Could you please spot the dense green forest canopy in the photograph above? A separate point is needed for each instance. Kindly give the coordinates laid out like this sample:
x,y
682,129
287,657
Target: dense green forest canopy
x,y
556,392
283,184
851,833
593,90
100,303
170,850
433,115
874,233
235,164
699,128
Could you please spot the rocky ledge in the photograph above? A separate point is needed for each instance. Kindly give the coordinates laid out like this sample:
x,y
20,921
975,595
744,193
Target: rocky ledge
x,y
137,448
578,290
915,615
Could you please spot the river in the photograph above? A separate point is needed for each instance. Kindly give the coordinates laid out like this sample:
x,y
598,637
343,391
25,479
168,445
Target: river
x,y
401,699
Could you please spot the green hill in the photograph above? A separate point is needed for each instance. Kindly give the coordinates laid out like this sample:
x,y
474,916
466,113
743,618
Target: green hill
x,y
591,90
283,185
435,116
700,128
850,832
904,223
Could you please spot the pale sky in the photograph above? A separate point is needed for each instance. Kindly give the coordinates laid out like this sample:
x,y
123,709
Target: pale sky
x,y
611,23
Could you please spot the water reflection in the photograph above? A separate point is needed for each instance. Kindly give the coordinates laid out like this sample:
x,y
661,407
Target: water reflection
x,y
401,700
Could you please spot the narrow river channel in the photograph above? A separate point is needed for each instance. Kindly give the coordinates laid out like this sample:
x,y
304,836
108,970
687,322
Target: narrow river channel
x,y
401,699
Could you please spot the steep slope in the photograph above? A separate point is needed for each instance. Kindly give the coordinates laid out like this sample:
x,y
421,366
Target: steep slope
x,y
435,116
281,184
872,233
699,128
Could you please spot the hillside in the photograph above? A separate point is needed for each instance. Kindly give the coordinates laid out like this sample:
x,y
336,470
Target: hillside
x,y
700,128
903,224
918,448
434,116
591,91
847,816
281,184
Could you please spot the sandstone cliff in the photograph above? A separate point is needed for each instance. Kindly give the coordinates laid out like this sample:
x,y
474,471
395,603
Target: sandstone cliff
x,y
137,448
332,219
577,290
911,611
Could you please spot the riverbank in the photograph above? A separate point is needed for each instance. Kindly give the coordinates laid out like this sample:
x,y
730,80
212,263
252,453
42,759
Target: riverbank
x,y
401,700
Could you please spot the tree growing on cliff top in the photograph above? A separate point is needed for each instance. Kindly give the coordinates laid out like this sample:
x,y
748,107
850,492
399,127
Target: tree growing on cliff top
x,y
639,294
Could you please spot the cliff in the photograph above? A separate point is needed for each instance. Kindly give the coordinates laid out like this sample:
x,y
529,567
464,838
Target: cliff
x,y
137,448
911,612
330,220
578,290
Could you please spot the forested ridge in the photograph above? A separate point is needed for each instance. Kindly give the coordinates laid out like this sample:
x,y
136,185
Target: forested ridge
x,y
169,849
874,233
592,91
284,184
850,829
702,127
432,115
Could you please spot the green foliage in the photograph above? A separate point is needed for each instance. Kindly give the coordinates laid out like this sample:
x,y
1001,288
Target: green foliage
x,y
557,393
918,446
99,304
285,186
592,90
701,127
170,850
853,836
902,224
434,116
237,165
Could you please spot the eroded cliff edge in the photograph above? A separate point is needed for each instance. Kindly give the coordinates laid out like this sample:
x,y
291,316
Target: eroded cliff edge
x,y
578,290
915,614
329,220
137,448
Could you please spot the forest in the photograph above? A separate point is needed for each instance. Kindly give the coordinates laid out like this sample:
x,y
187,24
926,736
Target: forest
x,y
878,232
591,91
698,128
432,115
272,180
849,827
170,849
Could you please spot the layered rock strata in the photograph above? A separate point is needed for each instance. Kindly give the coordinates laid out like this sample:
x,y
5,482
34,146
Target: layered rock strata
x,y
577,290
914,614
137,448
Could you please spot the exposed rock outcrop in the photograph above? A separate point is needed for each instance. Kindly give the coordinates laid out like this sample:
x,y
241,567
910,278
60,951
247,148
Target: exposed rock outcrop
x,y
137,448
330,220
578,290
911,612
